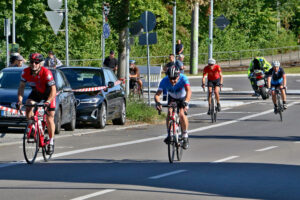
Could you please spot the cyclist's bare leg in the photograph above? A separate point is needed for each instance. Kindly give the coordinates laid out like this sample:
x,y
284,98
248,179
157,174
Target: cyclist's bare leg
x,y
274,97
183,120
168,117
209,95
140,83
29,110
50,123
283,95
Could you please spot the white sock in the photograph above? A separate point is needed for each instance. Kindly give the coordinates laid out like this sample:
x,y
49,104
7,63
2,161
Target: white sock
x,y
51,141
185,134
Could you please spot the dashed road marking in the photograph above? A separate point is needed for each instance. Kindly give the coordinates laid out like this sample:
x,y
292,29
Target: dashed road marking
x,y
167,174
267,148
225,159
94,194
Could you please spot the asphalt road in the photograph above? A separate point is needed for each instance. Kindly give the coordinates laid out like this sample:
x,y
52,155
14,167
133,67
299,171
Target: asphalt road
x,y
247,154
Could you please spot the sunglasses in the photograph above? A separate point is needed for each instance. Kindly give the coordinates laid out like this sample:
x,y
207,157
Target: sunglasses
x,y
173,78
36,62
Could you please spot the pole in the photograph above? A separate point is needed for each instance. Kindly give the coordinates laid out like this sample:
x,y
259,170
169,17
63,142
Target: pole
x,y
67,32
174,29
7,25
148,57
103,39
14,23
194,40
211,18
127,61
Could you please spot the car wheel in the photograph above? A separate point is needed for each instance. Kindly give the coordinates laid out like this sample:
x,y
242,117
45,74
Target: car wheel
x,y
122,119
58,122
71,126
102,116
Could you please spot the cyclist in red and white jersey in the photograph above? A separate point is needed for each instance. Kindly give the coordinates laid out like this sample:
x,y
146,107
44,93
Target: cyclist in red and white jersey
x,y
43,88
214,79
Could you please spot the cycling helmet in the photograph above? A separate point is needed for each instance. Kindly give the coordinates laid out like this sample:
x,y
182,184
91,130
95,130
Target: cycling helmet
x,y
36,57
173,72
275,63
211,61
131,61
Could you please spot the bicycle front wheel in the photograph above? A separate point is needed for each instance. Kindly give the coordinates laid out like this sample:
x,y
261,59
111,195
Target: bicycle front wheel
x,y
171,145
212,110
279,106
30,145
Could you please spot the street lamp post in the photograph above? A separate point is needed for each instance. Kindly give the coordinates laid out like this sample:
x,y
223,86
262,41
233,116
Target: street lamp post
x,y
211,18
174,28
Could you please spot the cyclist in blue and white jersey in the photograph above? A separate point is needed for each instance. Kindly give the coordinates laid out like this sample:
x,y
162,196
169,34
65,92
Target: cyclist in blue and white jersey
x,y
178,87
277,78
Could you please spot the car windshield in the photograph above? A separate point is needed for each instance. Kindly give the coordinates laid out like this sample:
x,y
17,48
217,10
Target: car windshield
x,y
83,78
10,79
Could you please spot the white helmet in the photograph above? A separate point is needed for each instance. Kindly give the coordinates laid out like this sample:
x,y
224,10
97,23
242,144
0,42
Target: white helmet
x,y
211,61
275,63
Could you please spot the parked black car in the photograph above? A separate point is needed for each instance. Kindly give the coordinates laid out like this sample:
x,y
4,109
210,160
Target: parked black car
x,y
65,112
105,99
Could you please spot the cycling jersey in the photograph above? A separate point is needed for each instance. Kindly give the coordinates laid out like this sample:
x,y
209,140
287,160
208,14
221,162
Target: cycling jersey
x,y
40,84
212,74
277,77
178,90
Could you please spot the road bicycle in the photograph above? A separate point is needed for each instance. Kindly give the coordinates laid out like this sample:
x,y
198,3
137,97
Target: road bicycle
x,y
279,102
36,135
213,107
175,143
135,90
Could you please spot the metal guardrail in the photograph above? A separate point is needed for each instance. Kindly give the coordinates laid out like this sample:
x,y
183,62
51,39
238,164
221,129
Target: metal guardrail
x,y
225,59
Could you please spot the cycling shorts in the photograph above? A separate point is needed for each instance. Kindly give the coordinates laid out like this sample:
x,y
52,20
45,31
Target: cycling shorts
x,y
213,83
277,82
132,81
38,97
179,102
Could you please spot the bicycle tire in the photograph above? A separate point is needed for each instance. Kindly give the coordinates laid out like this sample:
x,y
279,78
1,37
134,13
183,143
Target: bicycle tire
x,y
46,156
212,109
171,146
30,145
279,106
179,147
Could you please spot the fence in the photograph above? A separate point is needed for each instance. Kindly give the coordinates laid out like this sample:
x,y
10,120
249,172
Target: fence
x,y
225,59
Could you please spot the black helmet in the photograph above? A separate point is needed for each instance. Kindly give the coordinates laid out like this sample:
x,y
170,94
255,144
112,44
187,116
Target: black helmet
x,y
173,72
36,57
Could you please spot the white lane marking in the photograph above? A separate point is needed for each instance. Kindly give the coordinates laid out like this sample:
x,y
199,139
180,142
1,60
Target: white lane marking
x,y
235,121
225,159
297,142
142,140
167,174
94,194
267,148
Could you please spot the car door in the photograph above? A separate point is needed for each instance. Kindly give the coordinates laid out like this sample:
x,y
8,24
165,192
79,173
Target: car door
x,y
63,96
110,93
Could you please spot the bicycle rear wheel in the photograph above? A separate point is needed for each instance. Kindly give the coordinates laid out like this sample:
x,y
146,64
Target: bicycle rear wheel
x,y
179,149
30,144
171,145
44,149
279,106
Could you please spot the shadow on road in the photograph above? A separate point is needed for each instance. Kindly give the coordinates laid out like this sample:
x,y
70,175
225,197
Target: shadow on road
x,y
240,180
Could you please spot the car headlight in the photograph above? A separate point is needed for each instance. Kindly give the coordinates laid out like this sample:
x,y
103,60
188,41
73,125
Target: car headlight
x,y
91,100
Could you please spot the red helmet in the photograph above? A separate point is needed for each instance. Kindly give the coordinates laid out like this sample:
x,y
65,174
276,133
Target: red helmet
x,y
36,57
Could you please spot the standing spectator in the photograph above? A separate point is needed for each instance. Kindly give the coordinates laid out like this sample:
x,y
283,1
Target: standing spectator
x,y
170,63
179,47
111,62
179,63
52,61
16,61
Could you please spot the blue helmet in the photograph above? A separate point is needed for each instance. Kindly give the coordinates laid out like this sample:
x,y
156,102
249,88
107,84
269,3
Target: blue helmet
x,y
131,61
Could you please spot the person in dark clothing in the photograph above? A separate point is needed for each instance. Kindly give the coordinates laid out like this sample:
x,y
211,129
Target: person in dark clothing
x,y
170,63
111,62
179,47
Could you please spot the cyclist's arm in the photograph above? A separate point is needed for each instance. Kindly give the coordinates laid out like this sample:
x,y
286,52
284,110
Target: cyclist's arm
x,y
156,97
188,93
52,93
21,91
221,78
269,81
284,80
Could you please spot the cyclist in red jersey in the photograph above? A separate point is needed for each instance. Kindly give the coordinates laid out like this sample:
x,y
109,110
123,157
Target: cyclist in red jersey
x,y
214,79
43,88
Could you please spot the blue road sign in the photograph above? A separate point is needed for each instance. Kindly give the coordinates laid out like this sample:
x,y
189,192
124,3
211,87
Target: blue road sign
x,y
106,31
151,20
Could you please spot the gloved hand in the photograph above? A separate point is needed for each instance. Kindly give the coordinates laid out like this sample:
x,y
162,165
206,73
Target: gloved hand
x,y
47,105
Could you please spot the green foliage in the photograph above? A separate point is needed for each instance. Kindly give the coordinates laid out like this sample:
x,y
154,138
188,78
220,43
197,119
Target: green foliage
x,y
253,25
139,111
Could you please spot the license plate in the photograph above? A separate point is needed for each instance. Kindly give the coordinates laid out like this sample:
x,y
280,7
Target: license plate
x,y
260,82
7,114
